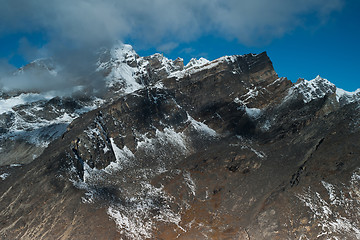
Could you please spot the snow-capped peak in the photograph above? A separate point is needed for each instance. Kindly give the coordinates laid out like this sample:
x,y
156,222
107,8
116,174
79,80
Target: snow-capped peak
x,y
196,62
313,89
347,96
121,65
320,87
42,64
318,81
126,71
124,53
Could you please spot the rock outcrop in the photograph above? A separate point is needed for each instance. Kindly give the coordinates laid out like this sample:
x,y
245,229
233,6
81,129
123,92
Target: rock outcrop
x,y
221,149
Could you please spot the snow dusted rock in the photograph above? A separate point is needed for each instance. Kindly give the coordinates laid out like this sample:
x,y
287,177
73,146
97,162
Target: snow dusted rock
x,y
221,149
126,72
313,89
30,121
345,97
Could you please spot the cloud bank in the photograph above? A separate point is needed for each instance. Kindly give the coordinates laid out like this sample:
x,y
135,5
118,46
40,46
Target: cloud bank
x,y
76,29
100,21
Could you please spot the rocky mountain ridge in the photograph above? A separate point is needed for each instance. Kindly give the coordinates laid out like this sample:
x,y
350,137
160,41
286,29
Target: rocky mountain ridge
x,y
221,149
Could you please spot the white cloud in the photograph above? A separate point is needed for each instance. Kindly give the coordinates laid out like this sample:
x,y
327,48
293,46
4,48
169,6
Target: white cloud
x,y
99,21
167,47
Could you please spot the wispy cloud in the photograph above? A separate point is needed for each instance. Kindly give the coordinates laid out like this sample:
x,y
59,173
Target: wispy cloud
x,y
167,47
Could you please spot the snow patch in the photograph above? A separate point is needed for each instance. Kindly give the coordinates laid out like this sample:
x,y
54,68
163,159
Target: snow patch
x,y
252,93
190,182
137,220
202,127
122,156
106,149
159,85
6,105
132,227
15,165
279,80
4,176
331,191
348,96
238,101
176,138
339,214
258,153
266,126
253,112
168,136
246,144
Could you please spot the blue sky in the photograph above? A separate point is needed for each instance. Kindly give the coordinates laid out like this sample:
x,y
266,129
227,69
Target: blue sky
x,y
331,50
302,39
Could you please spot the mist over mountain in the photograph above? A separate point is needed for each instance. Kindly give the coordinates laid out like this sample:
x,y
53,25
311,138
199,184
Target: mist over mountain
x,y
144,147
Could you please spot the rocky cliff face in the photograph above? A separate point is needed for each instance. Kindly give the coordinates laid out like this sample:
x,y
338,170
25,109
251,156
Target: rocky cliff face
x,y
212,150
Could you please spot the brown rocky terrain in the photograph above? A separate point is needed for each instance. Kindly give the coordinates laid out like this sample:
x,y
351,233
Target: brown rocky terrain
x,y
218,150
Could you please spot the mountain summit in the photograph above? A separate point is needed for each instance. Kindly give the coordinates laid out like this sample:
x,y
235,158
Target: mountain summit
x,y
222,149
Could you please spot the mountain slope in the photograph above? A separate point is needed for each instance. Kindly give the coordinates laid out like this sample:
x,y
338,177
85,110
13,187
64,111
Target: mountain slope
x,y
212,150
31,118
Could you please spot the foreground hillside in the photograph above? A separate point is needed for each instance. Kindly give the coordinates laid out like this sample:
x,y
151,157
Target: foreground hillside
x,y
212,150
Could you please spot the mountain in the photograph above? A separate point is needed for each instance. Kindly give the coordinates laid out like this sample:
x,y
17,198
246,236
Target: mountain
x,y
221,149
